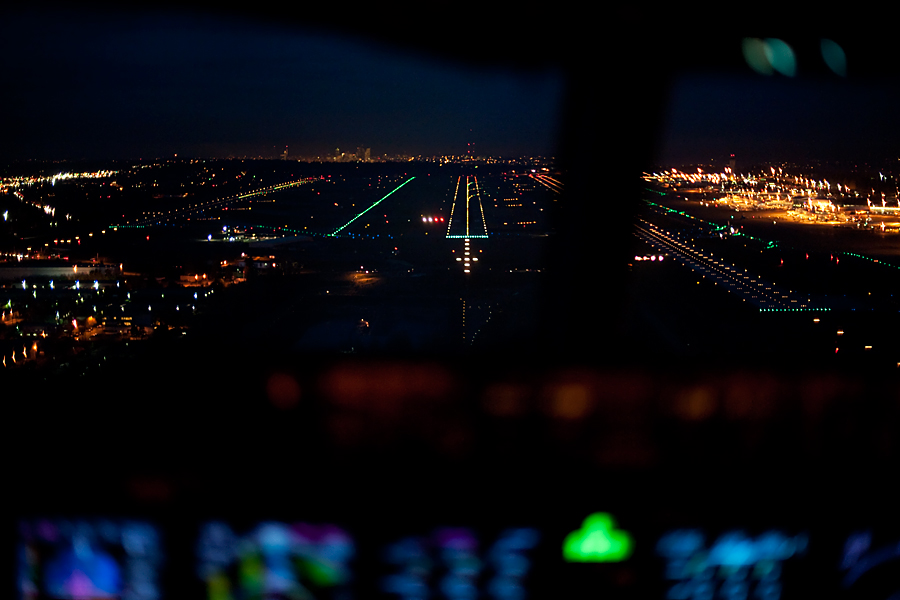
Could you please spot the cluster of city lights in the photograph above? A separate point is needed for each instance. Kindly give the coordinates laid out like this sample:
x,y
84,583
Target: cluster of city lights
x,y
48,210
13,182
772,189
24,354
698,177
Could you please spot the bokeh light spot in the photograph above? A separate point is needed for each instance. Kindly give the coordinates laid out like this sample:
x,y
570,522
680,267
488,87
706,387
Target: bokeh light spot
x,y
571,401
283,390
834,57
781,56
505,400
770,54
697,404
755,54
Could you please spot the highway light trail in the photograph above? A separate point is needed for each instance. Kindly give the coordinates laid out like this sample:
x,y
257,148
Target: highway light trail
x,y
345,225
765,295
548,181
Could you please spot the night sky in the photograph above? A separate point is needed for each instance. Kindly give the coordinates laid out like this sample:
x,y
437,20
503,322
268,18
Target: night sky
x,y
108,84
711,114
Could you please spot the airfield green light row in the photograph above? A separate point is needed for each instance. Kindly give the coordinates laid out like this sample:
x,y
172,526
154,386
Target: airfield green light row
x,y
794,310
345,225
772,245
874,260
655,191
769,244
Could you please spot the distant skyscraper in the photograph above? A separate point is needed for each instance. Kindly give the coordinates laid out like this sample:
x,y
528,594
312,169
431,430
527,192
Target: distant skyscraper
x,y
731,163
284,155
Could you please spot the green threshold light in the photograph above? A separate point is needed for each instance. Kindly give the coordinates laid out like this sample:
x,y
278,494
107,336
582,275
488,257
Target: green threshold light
x,y
598,540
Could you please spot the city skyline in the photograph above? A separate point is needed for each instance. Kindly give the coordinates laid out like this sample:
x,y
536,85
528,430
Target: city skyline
x,y
108,84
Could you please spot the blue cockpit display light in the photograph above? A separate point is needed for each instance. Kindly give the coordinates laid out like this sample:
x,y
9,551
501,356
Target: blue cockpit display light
x,y
733,567
451,564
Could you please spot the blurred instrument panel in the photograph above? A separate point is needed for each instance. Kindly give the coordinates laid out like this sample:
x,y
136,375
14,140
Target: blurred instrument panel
x,y
403,479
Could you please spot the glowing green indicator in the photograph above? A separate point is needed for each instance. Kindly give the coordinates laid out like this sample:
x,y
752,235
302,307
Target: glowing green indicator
x,y
598,541
344,226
